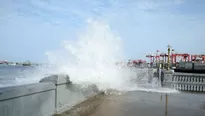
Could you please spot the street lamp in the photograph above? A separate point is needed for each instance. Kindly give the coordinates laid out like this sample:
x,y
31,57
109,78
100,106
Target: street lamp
x,y
157,58
173,57
168,62
163,55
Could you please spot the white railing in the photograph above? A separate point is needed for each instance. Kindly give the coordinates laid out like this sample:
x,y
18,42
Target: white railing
x,y
186,81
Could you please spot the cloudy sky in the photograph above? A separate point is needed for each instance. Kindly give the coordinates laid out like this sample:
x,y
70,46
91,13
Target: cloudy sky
x,y
28,28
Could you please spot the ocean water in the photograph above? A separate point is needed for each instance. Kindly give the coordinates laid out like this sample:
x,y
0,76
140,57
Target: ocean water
x,y
19,75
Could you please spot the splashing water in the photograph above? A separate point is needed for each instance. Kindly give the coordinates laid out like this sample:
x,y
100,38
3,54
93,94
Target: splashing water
x,y
91,59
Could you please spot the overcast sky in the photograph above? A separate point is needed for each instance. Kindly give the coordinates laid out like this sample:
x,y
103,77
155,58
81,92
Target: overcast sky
x,y
28,28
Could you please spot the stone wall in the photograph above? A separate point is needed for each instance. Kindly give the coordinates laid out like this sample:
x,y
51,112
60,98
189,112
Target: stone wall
x,y
53,95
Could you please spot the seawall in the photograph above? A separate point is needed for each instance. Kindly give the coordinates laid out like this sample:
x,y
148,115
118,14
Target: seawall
x,y
53,95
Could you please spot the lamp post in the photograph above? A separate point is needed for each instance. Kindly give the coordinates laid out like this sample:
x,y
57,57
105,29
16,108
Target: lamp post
x,y
163,59
168,61
173,56
157,58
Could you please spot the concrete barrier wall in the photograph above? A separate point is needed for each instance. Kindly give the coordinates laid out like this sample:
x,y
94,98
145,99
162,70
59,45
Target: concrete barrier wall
x,y
68,94
54,94
28,100
184,81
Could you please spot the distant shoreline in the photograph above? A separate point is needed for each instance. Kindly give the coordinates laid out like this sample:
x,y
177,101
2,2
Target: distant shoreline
x,y
25,65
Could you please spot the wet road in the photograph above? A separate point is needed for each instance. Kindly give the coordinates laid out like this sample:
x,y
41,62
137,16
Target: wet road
x,y
151,104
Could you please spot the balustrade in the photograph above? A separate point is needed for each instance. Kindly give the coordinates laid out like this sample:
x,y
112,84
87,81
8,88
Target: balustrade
x,y
187,82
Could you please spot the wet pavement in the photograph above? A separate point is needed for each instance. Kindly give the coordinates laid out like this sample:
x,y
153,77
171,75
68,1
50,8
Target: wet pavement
x,y
137,103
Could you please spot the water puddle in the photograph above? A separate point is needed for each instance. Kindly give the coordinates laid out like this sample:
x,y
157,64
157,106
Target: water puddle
x,y
203,106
